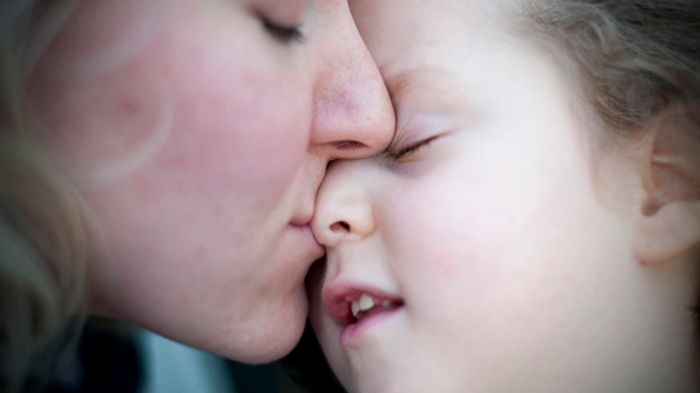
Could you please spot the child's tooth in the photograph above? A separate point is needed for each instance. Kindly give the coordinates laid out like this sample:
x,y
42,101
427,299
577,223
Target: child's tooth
x,y
355,307
366,302
386,303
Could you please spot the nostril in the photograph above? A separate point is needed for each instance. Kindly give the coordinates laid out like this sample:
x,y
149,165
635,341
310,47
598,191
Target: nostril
x,y
340,226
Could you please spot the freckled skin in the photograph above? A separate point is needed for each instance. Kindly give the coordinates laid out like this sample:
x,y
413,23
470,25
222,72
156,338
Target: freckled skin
x,y
191,134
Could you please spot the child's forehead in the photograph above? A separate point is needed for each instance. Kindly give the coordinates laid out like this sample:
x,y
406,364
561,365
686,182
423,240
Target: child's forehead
x,y
428,86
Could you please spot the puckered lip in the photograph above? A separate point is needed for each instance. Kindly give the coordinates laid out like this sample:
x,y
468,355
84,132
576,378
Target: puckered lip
x,y
301,220
307,242
338,296
302,216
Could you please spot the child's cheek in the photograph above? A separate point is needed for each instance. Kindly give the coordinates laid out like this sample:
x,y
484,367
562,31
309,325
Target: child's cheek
x,y
460,224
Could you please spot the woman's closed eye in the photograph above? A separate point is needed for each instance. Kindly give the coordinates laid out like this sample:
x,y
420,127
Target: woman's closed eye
x,y
282,20
286,34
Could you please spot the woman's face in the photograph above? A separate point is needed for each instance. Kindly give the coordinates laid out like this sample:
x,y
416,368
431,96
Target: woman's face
x,y
198,133
497,257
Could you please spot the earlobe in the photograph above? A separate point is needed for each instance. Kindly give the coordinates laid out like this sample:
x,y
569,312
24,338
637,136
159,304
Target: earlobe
x,y
670,231
669,220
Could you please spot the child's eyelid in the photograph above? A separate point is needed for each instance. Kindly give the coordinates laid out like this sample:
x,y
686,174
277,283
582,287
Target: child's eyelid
x,y
410,152
417,129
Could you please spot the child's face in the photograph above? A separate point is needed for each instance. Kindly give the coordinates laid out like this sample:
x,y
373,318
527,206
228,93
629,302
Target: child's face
x,y
503,249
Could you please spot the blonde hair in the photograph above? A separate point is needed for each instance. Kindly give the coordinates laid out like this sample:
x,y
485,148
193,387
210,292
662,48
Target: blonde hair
x,y
633,60
43,235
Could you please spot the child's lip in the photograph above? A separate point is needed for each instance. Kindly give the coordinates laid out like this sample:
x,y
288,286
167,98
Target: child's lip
x,y
352,334
338,296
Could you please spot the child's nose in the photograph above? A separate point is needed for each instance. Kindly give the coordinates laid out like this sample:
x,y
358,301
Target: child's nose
x,y
344,211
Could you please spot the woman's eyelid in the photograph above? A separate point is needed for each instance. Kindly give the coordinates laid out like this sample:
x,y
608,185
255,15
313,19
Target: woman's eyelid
x,y
286,18
289,13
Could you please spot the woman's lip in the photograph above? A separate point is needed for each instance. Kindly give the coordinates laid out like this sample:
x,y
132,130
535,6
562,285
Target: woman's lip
x,y
309,241
303,221
302,218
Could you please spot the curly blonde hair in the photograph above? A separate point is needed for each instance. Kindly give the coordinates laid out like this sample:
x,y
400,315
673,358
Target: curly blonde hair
x,y
43,236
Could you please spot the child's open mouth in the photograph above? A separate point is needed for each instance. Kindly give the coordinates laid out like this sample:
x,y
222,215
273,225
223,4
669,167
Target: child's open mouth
x,y
355,308
367,305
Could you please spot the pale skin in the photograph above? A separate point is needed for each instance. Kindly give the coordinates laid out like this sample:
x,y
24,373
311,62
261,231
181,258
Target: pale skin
x,y
197,134
514,253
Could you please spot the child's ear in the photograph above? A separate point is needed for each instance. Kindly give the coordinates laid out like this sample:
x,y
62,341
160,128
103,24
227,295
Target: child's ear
x,y
669,220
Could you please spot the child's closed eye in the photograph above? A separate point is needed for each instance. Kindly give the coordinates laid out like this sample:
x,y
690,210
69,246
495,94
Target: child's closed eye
x,y
410,153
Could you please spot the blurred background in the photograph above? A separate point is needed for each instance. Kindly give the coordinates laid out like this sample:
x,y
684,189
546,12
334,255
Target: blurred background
x,y
115,357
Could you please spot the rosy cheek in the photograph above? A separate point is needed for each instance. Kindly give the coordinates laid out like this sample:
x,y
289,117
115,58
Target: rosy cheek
x,y
100,109
101,36
173,97
181,113
230,128
457,223
109,129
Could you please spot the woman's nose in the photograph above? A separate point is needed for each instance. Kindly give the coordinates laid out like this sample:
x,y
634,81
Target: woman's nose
x,y
344,211
353,115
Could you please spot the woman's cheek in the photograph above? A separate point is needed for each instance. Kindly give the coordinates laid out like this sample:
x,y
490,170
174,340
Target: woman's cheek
x,y
101,107
245,140
239,117
98,37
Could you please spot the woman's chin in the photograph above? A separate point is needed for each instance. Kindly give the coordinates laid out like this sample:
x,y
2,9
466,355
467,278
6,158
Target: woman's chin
x,y
269,336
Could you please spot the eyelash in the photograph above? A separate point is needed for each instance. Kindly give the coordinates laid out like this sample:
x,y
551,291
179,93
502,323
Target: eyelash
x,y
402,153
284,34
